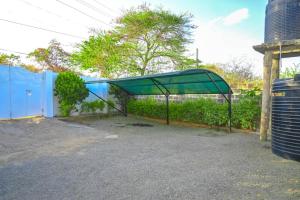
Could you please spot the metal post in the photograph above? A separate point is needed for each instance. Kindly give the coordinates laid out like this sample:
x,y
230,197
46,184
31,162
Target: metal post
x,y
10,91
280,56
229,110
167,105
197,57
125,105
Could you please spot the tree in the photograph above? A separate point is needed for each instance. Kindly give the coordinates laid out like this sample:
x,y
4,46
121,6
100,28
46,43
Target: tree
x,y
156,38
102,52
9,59
241,68
31,68
143,41
13,60
70,91
290,72
235,79
54,57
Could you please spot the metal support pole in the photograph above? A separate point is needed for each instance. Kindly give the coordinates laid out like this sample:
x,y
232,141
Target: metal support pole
x,y
125,105
229,110
159,83
167,105
218,88
158,87
280,56
197,57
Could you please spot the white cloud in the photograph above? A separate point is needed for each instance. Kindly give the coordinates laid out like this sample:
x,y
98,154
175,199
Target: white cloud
x,y
236,17
218,44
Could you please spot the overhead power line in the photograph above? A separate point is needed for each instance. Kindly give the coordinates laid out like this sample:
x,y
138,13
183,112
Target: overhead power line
x,y
17,52
51,13
105,6
97,10
76,9
41,28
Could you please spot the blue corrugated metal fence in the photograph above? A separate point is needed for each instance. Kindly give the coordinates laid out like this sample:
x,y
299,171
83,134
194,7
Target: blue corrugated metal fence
x,y
24,93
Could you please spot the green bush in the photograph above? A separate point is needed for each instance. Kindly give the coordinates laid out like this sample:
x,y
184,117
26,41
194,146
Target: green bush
x,y
70,91
65,108
110,103
92,107
245,114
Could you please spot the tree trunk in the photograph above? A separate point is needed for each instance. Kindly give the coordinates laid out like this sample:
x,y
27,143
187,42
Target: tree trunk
x,y
266,97
144,68
274,76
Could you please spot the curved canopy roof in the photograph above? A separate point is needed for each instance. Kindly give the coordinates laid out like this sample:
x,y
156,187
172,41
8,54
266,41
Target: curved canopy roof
x,y
195,81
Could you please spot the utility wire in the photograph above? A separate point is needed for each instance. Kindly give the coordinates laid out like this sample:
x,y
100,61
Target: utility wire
x,y
105,6
41,28
7,50
88,5
51,13
65,4
18,52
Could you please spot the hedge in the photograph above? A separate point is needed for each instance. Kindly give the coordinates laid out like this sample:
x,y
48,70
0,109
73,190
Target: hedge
x,y
246,112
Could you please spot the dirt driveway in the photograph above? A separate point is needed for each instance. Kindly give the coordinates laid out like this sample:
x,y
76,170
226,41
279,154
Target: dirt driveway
x,y
128,158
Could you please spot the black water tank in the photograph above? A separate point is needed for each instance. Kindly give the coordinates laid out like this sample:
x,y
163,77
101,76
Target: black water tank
x,y
282,20
286,118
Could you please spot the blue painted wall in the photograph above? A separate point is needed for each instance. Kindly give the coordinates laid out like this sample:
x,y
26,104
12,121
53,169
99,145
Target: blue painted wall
x,y
4,92
24,93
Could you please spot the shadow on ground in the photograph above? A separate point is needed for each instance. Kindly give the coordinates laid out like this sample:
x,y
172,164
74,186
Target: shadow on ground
x,y
129,158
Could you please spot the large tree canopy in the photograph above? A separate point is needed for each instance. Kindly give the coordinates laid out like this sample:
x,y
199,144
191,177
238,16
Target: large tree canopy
x,y
102,52
143,41
54,57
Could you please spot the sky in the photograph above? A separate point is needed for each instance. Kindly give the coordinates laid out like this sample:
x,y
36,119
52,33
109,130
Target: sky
x,y
226,29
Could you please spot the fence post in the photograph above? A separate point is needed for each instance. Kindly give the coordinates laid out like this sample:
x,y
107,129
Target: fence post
x,y
48,91
167,105
10,92
230,110
125,105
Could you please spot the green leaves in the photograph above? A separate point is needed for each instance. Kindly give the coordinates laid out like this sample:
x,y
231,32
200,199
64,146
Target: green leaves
x,y
246,112
157,37
291,71
102,53
144,41
11,59
70,90
92,107
54,57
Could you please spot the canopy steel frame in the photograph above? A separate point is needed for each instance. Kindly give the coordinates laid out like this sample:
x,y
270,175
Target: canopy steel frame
x,y
124,113
167,94
227,99
163,88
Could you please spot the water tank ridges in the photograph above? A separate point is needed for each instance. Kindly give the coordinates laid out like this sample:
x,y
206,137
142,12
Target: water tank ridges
x,y
286,118
282,20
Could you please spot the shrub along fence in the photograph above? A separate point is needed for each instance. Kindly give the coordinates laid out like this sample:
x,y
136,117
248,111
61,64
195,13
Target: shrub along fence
x,y
246,111
73,96
25,94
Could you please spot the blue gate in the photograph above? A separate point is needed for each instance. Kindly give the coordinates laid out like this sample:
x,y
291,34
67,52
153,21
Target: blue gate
x,y
21,93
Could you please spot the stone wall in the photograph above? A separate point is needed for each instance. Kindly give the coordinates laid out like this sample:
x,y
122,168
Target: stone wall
x,y
181,98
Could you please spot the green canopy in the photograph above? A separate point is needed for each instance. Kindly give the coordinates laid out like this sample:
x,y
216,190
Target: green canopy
x,y
196,81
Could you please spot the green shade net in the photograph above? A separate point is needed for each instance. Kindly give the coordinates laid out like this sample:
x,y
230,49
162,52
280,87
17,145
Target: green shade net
x,y
196,81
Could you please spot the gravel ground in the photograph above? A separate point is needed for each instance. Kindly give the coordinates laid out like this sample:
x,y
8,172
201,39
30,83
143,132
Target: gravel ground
x,y
117,158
